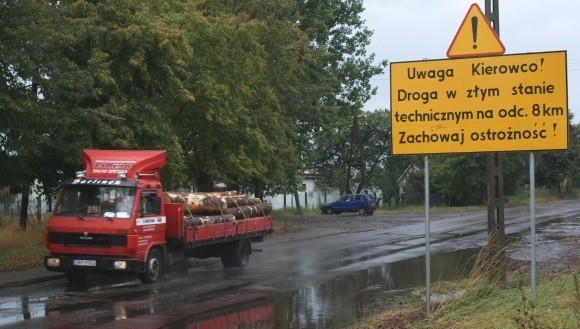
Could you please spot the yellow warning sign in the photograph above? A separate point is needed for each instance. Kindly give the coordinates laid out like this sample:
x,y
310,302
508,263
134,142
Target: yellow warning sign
x,y
475,37
501,103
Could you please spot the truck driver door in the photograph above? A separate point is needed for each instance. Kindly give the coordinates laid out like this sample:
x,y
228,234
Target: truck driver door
x,y
150,218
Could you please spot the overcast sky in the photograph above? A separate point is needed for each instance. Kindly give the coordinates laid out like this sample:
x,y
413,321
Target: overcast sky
x,y
412,30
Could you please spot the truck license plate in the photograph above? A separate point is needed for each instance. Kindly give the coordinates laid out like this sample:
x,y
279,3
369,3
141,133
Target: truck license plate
x,y
85,262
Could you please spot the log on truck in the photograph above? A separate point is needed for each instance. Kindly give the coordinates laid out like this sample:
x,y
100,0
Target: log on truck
x,y
210,203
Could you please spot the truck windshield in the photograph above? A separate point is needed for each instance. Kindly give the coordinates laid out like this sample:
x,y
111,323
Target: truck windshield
x,y
96,201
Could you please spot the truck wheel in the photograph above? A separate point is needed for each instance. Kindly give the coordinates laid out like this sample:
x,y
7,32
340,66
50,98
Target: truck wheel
x,y
153,267
76,277
238,254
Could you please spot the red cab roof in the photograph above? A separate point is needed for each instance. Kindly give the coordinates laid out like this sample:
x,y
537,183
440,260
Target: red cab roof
x,y
106,163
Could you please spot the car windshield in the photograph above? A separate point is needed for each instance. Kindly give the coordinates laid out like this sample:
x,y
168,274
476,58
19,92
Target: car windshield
x,y
345,198
96,201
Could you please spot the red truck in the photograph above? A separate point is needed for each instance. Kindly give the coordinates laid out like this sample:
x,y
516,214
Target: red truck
x,y
112,218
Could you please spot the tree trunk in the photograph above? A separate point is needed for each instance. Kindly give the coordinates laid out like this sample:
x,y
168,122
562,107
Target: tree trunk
x,y
258,190
296,196
39,208
24,209
204,182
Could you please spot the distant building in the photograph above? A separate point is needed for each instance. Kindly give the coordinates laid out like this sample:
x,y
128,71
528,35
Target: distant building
x,y
402,180
13,206
309,196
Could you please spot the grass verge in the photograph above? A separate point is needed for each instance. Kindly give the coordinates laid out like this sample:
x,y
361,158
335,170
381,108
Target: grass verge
x,y
283,219
487,303
21,249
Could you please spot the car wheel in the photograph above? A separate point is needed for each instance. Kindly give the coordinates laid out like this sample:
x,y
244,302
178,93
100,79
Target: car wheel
x,y
237,254
328,211
153,267
362,211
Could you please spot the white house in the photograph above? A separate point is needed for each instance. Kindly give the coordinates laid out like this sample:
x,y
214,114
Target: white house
x,y
309,196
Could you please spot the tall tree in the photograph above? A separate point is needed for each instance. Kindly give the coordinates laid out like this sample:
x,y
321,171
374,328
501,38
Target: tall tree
x,y
25,60
556,170
77,74
235,130
336,79
364,148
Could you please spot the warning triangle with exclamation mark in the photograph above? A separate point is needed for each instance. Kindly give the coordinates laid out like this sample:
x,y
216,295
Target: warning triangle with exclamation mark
x,y
475,37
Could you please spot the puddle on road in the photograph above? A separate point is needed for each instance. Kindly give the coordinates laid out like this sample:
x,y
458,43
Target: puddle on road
x,y
21,309
333,304
347,299
340,302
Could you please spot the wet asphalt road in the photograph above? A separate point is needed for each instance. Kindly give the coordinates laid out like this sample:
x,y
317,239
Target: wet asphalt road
x,y
336,270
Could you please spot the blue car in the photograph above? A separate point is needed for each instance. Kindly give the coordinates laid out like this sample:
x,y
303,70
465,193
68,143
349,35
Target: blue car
x,y
364,204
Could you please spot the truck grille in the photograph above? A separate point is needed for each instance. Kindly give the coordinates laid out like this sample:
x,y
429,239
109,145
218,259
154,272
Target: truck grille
x,y
88,239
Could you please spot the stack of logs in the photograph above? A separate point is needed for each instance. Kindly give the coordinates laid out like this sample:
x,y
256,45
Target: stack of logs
x,y
217,207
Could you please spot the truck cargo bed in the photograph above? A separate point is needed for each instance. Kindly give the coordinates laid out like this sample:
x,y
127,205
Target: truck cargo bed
x,y
245,228
210,233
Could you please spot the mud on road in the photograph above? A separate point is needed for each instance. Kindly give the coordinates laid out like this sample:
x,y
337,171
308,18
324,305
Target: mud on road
x,y
312,226
557,243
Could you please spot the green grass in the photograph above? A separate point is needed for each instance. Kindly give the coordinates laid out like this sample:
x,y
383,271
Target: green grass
x,y
488,303
21,249
283,219
510,306
522,197
293,212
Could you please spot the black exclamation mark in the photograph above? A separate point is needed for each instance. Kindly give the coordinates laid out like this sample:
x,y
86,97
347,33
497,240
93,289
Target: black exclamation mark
x,y
474,21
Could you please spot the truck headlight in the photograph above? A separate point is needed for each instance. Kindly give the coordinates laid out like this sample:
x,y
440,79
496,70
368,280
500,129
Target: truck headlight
x,y
120,265
53,262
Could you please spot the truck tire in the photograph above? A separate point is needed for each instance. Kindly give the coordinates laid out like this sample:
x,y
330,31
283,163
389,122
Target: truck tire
x,y
237,254
153,267
76,277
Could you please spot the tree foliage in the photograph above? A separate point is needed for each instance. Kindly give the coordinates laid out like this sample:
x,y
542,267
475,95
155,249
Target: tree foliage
x,y
232,90
558,170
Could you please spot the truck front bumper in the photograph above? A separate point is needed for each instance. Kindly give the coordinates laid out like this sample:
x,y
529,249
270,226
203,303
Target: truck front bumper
x,y
92,264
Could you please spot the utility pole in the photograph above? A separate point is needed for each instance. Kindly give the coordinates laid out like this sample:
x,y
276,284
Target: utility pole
x,y
495,179
349,166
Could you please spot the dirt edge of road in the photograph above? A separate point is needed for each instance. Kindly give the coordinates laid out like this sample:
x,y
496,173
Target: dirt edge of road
x,y
552,255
